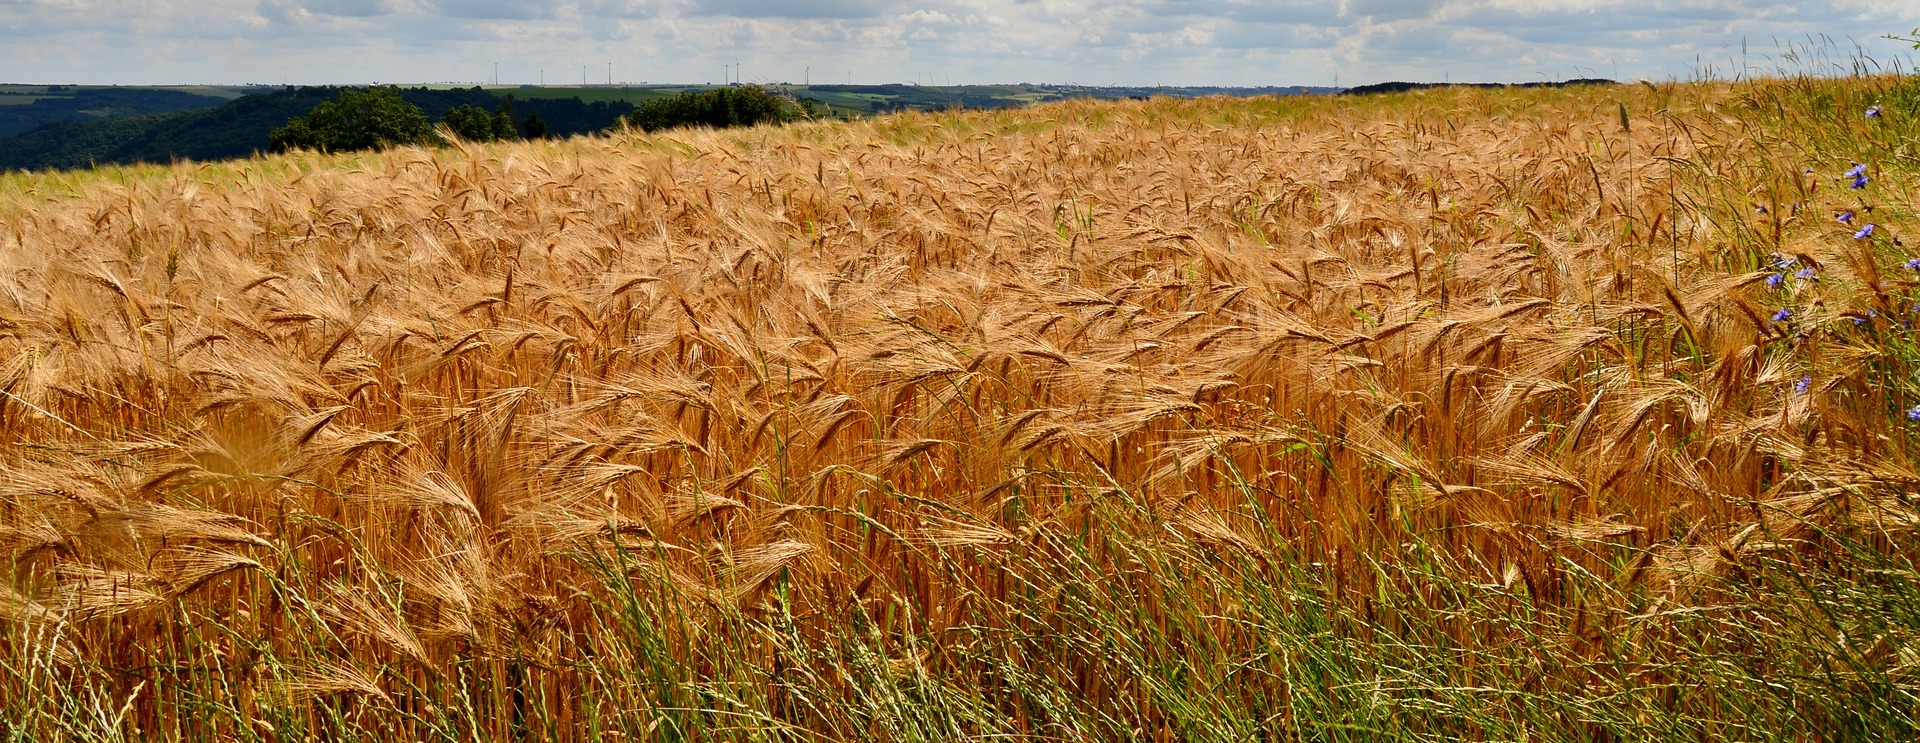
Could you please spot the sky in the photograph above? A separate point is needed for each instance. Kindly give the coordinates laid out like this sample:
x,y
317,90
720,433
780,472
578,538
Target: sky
x,y
938,42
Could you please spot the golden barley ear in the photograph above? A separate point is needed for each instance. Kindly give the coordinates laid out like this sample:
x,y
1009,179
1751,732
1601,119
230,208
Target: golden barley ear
x,y
334,678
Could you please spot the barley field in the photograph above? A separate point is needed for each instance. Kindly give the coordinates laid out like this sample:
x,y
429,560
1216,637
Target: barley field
x,y
1572,414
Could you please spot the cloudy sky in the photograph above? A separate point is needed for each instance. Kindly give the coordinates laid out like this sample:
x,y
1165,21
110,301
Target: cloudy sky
x,y
1096,42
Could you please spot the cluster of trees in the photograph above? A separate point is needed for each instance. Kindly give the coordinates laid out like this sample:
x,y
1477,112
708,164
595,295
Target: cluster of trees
x,y
378,118
476,124
720,108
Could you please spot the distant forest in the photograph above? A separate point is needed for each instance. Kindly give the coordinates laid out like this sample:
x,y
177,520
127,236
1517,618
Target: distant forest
x,y
239,128
22,112
57,127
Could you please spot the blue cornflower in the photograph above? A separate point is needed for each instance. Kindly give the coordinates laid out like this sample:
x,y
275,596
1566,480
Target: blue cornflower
x,y
1864,233
1759,210
1859,175
1783,315
1846,217
1775,279
1858,320
1913,264
1873,112
1804,273
1783,261
1801,387
1913,413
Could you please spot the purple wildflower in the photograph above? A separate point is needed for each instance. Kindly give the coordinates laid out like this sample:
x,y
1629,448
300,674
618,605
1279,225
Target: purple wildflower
x,y
1859,175
1913,264
1801,387
1775,279
1913,413
1846,217
1783,315
1804,273
1873,112
1864,233
1759,210
1858,320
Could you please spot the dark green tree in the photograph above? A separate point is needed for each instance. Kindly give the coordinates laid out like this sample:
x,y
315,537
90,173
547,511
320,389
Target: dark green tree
x,y
536,126
374,118
506,107
476,124
724,107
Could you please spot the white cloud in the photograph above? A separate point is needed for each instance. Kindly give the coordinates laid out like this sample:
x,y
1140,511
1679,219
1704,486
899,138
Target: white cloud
x,y
512,10
1239,42
349,8
791,8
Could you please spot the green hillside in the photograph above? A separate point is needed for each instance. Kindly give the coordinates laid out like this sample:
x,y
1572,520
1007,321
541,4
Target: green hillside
x,y
24,108
239,128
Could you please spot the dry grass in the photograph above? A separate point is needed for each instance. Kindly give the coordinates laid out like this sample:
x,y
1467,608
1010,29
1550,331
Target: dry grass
x,y
395,445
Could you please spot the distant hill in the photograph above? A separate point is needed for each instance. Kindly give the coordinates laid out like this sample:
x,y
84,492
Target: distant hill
x,y
239,128
24,108
231,130
1401,87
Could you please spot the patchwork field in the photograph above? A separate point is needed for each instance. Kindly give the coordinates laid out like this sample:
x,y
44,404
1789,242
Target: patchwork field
x,y
1570,414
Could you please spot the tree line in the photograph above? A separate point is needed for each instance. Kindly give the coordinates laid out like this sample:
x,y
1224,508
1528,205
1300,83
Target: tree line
x,y
341,119
242,127
377,118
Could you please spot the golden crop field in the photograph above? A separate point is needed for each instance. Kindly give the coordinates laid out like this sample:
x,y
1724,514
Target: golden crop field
x,y
1550,414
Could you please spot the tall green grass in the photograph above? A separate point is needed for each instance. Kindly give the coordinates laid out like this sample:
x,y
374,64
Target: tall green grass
x,y
1788,649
